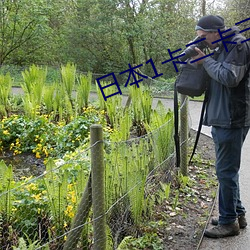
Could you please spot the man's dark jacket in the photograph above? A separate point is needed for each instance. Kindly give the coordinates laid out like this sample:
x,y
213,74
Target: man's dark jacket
x,y
228,103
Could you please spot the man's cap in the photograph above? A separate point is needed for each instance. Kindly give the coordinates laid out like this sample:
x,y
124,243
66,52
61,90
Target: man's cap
x,y
210,23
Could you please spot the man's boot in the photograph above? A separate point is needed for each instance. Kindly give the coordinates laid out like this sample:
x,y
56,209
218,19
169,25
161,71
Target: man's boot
x,y
221,231
241,219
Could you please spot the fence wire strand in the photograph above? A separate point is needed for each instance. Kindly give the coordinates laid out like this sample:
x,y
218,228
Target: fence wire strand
x,y
133,173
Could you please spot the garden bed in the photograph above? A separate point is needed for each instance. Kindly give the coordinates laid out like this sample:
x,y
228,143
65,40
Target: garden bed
x,y
178,222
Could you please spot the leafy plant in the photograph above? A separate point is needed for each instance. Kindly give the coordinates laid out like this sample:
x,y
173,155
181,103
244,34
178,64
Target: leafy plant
x,y
122,126
34,81
176,199
83,91
141,104
126,173
56,187
112,105
164,191
23,246
43,137
48,98
184,181
5,90
147,241
6,184
68,74
161,126
30,208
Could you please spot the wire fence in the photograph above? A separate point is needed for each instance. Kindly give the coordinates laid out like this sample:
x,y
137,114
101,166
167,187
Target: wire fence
x,y
55,209
95,200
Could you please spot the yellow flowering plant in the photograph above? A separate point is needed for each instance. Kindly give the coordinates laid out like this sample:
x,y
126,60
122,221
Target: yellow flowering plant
x,y
44,137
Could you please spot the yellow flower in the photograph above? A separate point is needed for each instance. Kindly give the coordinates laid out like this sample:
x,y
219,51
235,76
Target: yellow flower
x,y
31,187
6,132
14,209
69,211
16,152
73,199
38,155
37,196
45,151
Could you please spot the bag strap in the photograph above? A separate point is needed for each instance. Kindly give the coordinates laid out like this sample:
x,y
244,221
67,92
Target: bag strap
x,y
199,127
176,126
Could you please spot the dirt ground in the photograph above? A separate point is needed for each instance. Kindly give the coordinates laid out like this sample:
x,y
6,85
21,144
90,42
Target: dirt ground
x,y
187,223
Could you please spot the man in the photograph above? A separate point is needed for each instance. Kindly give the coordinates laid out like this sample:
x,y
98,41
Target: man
x,y
228,112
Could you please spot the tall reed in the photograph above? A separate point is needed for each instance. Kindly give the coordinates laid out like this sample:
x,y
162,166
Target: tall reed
x,y
141,104
126,172
6,184
5,90
62,106
56,184
48,98
33,86
161,132
83,90
68,74
113,104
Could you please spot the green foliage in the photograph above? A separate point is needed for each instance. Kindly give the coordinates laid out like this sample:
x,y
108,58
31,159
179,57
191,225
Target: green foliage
x,y
184,181
68,74
29,245
51,199
161,126
83,90
5,90
23,28
164,191
30,206
33,85
43,137
6,184
176,199
163,87
127,160
147,241
48,98
57,188
15,71
112,105
141,104
100,36
122,125
126,172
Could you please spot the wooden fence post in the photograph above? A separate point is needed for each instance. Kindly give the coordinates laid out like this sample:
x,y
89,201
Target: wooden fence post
x,y
98,195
